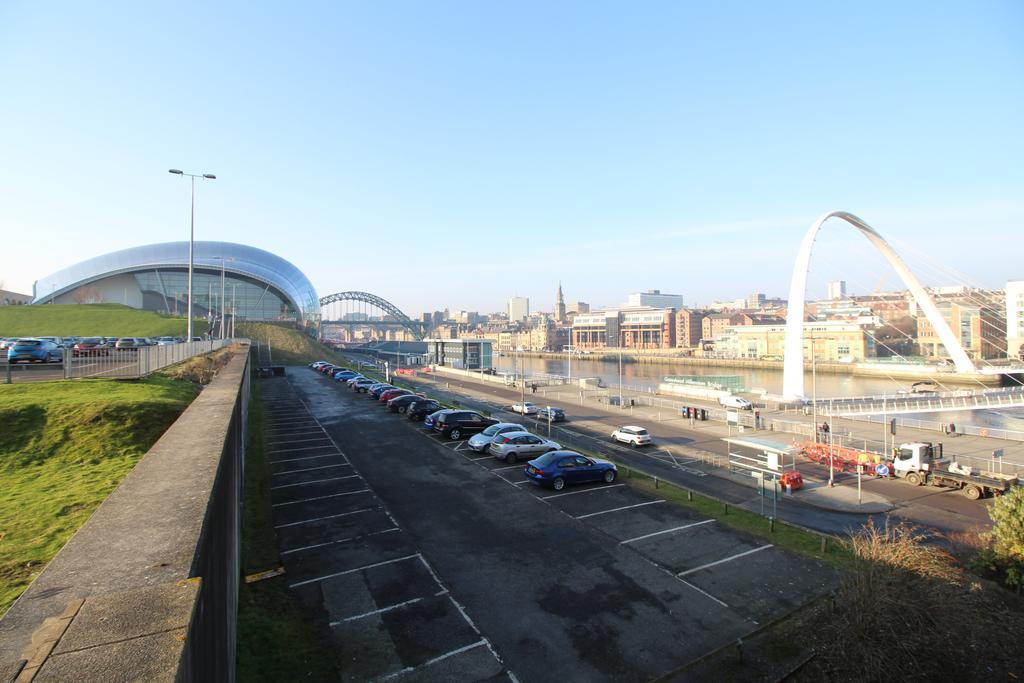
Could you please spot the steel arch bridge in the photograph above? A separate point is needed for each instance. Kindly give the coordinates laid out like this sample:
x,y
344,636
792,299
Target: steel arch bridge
x,y
397,317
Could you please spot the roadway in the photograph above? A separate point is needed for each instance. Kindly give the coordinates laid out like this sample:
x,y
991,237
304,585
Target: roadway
x,y
939,509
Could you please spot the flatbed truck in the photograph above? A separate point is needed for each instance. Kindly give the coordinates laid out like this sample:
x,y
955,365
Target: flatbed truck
x,y
921,463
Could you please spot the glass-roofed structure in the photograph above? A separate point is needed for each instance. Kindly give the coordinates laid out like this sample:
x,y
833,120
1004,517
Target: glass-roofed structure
x,y
257,285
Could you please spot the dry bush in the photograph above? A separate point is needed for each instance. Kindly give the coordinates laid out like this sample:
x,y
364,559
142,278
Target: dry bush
x,y
202,369
906,611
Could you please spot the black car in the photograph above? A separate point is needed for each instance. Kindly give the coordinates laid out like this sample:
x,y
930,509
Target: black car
x,y
458,423
420,409
556,414
401,404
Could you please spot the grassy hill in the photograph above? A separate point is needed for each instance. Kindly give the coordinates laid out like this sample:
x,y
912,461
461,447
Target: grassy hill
x,y
64,446
288,345
107,320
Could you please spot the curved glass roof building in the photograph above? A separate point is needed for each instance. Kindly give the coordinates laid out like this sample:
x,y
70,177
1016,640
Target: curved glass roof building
x,y
257,285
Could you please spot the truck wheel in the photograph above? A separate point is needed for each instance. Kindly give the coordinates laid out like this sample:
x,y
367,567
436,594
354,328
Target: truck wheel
x,y
914,479
972,492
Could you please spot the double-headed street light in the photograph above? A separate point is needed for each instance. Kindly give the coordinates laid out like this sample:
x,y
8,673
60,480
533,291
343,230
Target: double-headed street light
x,y
191,236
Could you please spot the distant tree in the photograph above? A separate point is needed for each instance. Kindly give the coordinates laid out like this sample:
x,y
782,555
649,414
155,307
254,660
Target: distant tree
x,y
87,295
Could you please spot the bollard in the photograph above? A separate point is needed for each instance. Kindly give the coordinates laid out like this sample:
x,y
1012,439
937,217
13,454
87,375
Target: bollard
x,y
739,650
726,508
629,473
771,525
824,546
689,495
655,482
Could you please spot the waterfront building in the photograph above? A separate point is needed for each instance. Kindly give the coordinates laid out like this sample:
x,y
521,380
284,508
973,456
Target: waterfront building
x,y
257,285
462,354
841,341
689,327
1015,319
981,328
636,328
518,309
654,299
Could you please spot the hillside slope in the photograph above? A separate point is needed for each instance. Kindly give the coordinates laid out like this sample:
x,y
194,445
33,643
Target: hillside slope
x,y
289,346
106,320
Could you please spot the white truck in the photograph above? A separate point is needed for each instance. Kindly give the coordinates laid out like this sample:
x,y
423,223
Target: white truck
x,y
922,463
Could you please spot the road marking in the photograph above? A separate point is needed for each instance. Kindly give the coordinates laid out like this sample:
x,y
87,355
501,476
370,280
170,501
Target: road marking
x,y
308,457
626,507
483,457
382,610
315,481
728,559
666,531
703,592
311,432
304,448
342,540
273,444
461,444
310,469
410,669
353,571
309,500
573,493
510,467
317,519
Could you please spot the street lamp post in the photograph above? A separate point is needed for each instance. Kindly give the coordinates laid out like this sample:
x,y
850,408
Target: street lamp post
x,y
191,236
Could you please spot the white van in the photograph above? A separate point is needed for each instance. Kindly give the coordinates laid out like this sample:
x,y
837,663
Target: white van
x,y
731,401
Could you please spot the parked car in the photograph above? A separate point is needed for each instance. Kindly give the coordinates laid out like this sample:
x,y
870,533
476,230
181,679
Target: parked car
x,y
58,341
430,420
90,346
480,442
559,468
400,404
634,436
418,410
361,385
524,408
459,423
512,446
389,394
377,389
556,414
342,375
731,401
127,343
7,342
351,382
327,368
31,350
166,341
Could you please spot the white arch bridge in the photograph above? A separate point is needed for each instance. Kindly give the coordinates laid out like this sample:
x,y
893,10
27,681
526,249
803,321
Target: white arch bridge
x,y
362,309
793,366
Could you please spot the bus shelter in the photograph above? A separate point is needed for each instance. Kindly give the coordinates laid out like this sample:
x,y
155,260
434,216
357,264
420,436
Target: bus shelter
x,y
764,460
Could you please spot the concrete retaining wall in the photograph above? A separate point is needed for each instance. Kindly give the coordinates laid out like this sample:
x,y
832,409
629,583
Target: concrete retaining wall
x,y
148,587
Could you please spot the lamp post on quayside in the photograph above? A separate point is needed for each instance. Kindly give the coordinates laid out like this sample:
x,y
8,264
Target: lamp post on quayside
x,y
191,235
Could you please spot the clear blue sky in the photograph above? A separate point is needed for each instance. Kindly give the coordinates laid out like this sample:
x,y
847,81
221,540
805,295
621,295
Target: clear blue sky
x,y
455,153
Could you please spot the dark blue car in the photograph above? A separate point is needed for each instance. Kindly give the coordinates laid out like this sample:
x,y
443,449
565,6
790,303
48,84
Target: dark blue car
x,y
559,468
342,375
429,420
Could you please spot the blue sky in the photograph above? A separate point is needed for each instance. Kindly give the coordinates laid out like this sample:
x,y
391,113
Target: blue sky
x,y
455,153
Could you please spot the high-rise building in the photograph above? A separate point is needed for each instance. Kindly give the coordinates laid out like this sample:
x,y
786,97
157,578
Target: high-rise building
x,y
837,289
655,299
560,306
518,309
1015,319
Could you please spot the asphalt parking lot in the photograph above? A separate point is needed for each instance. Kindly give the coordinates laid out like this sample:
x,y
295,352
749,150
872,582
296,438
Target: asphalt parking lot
x,y
433,561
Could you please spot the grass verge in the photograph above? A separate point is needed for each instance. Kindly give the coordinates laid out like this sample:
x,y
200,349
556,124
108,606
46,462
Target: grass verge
x,y
64,446
278,639
91,320
289,346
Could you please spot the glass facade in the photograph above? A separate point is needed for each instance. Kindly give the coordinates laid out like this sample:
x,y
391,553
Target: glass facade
x,y
258,284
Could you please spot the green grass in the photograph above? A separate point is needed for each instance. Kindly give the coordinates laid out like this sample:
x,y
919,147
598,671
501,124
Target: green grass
x,y
288,345
64,446
108,320
278,639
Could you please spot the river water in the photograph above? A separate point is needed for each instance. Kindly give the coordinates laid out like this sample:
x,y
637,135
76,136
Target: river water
x,y
643,375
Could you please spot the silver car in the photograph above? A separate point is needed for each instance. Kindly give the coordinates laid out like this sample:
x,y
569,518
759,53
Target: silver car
x,y
480,442
514,445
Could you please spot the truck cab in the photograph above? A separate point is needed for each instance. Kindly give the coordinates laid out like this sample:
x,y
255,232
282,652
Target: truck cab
x,y
916,457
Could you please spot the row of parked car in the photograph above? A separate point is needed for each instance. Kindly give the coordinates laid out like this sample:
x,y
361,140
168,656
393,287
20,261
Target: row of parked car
x,y
551,465
47,349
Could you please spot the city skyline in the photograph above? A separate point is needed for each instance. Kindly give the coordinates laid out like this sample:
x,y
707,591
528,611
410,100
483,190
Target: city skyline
x,y
690,158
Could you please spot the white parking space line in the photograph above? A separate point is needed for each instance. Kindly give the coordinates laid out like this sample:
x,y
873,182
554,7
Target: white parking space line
x,y
703,592
510,467
311,469
483,457
274,444
307,457
727,559
300,433
353,571
299,450
340,540
665,531
625,507
315,481
573,493
331,495
461,445
382,610
317,519
410,669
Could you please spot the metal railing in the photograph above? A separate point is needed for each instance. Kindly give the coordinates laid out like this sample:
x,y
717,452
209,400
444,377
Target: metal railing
x,y
135,362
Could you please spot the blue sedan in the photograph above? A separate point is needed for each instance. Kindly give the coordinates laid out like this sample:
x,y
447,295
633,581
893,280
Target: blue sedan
x,y
558,468
34,351
343,375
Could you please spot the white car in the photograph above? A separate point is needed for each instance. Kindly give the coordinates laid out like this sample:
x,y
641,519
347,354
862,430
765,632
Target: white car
x,y
524,408
634,436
